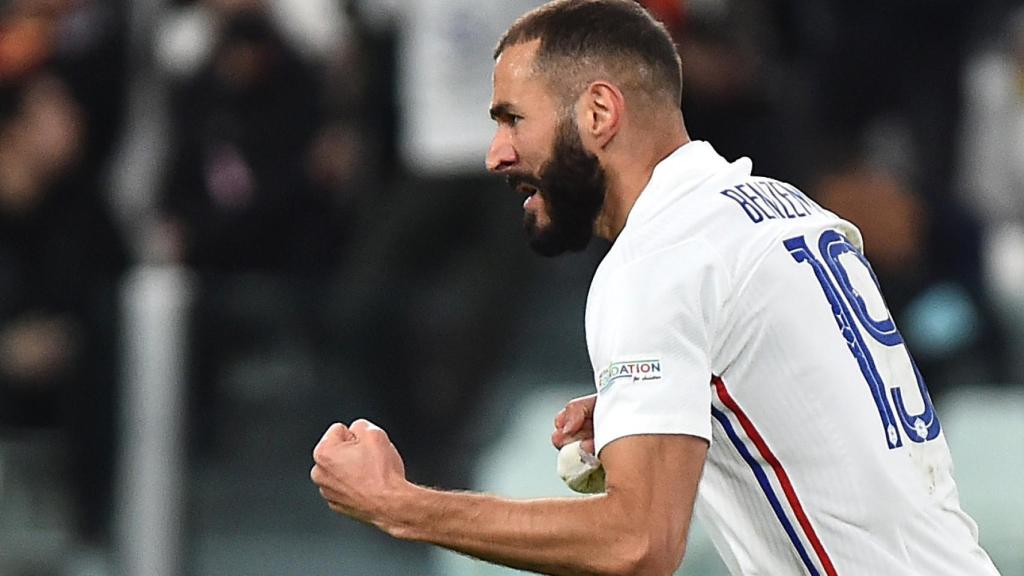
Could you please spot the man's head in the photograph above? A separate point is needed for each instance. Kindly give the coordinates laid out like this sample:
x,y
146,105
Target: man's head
x,y
586,40
565,77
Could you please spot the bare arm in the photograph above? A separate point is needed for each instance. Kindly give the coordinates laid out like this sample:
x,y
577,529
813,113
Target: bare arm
x,y
638,527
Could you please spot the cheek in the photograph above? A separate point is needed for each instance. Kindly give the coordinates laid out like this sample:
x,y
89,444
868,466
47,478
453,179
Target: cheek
x,y
534,151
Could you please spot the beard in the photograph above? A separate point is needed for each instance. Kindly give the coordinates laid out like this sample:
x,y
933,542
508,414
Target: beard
x,y
573,185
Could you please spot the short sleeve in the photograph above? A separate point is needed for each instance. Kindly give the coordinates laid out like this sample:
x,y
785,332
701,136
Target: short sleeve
x,y
652,341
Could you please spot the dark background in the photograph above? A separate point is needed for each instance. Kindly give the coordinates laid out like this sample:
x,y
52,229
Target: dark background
x,y
266,216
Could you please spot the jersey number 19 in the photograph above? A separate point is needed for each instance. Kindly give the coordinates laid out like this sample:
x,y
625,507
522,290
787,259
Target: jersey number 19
x,y
843,297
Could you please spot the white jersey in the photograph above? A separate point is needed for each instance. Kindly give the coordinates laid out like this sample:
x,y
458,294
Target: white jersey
x,y
733,308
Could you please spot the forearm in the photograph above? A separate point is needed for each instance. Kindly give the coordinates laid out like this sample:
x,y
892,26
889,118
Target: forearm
x,y
586,535
637,527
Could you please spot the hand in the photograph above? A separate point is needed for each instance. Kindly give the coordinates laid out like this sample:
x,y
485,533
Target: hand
x,y
576,422
358,471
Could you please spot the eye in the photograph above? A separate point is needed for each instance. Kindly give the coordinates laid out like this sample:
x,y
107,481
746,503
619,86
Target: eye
x,y
505,117
509,120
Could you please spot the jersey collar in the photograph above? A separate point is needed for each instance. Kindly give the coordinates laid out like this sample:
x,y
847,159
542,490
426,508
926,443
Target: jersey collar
x,y
677,175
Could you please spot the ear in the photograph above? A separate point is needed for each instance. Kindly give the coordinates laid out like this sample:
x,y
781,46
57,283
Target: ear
x,y
602,108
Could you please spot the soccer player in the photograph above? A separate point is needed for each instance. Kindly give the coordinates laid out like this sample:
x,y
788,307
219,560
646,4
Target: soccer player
x,y
742,353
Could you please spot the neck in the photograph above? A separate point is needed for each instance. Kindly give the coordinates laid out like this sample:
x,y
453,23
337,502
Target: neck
x,y
629,166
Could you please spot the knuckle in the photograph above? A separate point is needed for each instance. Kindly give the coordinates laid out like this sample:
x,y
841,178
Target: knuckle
x,y
368,430
364,425
336,430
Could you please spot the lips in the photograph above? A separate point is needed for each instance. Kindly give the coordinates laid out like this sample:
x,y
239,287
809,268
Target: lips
x,y
524,184
528,191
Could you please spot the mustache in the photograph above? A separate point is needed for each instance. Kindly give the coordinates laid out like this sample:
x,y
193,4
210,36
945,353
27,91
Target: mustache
x,y
514,180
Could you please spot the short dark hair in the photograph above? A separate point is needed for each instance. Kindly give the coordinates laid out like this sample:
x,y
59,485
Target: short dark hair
x,y
579,38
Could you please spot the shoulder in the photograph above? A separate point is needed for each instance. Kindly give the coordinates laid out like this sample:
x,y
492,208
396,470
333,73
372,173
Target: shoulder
x,y
683,286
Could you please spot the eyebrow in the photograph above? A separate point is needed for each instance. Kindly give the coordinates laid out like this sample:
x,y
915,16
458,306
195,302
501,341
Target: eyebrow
x,y
501,110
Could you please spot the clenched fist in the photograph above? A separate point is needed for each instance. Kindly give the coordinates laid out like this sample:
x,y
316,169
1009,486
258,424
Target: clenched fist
x,y
358,471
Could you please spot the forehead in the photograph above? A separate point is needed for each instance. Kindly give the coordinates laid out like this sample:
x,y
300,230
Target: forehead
x,y
515,79
516,61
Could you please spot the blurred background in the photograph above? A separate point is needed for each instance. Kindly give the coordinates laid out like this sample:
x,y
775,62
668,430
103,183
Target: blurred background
x,y
225,224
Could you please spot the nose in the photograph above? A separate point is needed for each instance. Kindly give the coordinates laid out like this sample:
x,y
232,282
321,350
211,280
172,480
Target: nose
x,y
501,155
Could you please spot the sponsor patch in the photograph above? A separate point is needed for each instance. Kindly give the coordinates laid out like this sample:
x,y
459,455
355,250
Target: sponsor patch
x,y
630,371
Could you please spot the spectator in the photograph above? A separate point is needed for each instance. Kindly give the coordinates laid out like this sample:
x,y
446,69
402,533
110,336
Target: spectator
x,y
61,88
238,186
60,259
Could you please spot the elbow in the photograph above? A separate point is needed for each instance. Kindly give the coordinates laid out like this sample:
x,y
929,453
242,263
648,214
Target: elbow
x,y
658,558
649,555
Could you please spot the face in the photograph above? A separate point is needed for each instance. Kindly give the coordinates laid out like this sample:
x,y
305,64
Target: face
x,y
541,154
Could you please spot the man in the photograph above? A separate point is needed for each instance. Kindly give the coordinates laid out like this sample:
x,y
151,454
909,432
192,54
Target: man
x,y
738,341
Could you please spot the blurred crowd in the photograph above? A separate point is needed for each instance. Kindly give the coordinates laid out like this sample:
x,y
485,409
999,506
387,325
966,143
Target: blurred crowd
x,y
323,180
61,254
